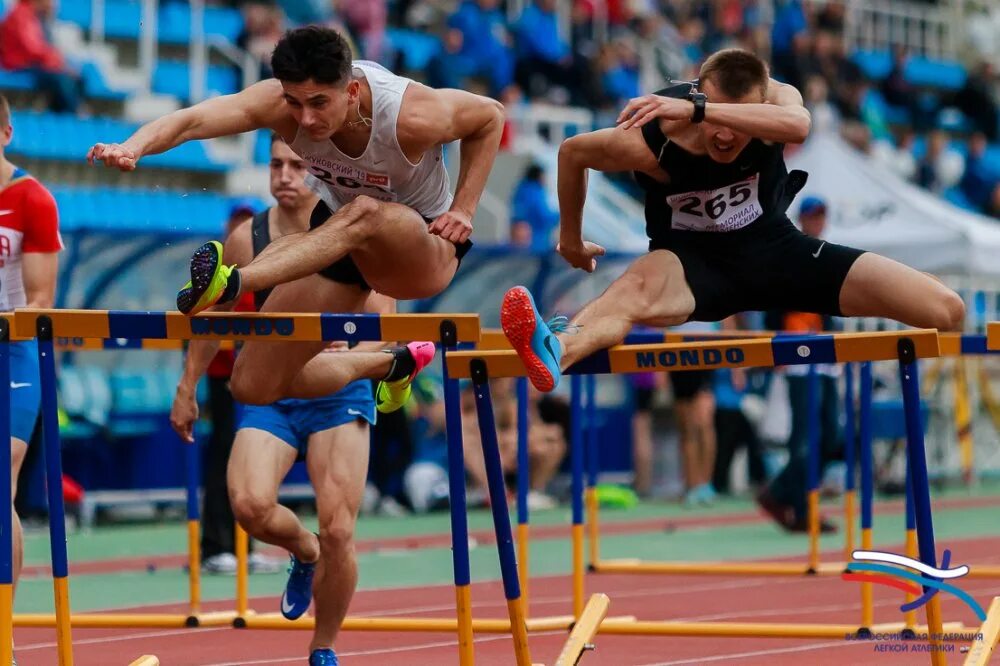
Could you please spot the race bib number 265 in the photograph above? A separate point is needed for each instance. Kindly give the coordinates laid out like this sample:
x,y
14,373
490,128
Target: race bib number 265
x,y
725,209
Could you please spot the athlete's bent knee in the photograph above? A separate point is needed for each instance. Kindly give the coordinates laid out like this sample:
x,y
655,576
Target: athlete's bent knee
x,y
365,216
949,312
336,538
250,509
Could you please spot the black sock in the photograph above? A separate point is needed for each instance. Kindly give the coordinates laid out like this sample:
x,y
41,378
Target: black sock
x,y
232,290
403,364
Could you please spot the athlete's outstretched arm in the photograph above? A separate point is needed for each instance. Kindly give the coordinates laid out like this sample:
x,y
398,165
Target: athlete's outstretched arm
x,y
259,106
184,411
608,150
437,117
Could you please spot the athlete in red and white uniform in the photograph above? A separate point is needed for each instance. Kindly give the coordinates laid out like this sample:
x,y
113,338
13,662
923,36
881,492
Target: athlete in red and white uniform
x,y
29,247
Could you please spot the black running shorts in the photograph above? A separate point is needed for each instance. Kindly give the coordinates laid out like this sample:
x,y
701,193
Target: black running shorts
x,y
345,270
690,383
767,267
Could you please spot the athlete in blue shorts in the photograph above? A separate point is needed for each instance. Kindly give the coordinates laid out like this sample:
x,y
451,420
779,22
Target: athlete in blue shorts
x,y
330,433
29,264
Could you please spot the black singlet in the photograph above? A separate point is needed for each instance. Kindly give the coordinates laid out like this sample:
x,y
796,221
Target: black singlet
x,y
260,234
706,196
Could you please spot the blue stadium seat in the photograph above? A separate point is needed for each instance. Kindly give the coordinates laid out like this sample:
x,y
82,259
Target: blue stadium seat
x,y
95,86
75,12
262,148
175,23
929,73
122,18
16,80
66,137
136,403
174,78
992,159
875,65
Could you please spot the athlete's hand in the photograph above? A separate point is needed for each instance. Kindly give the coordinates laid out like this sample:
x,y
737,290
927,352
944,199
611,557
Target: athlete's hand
x,y
640,110
454,226
184,414
113,155
581,255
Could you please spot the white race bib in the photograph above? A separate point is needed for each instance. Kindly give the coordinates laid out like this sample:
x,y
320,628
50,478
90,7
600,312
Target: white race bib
x,y
725,209
346,182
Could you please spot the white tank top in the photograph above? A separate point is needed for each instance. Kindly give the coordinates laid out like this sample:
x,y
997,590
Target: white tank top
x,y
382,171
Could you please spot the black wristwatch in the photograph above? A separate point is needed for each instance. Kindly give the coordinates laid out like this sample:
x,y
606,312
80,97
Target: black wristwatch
x,y
698,99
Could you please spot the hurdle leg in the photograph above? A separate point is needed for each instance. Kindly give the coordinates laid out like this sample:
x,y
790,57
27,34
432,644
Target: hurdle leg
x,y
456,500
242,546
987,637
523,486
867,490
910,616
52,454
593,463
576,462
916,457
501,517
812,473
584,630
191,454
963,421
7,514
850,442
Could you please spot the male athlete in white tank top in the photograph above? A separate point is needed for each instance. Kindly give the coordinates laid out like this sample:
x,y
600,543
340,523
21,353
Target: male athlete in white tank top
x,y
374,140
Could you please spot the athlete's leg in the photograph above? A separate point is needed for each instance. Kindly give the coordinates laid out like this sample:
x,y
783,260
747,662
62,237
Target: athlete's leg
x,y
652,291
879,287
269,371
18,449
337,462
259,462
389,242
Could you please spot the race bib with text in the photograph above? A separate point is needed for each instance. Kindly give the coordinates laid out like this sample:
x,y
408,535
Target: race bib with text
x,y
725,209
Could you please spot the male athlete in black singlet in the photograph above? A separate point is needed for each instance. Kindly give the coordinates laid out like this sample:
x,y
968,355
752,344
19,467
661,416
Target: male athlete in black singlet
x,y
709,157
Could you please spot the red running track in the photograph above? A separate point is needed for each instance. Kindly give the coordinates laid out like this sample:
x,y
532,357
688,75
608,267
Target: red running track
x,y
779,600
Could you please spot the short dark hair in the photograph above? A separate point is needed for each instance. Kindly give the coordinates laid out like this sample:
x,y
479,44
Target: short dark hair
x,y
312,52
277,137
735,72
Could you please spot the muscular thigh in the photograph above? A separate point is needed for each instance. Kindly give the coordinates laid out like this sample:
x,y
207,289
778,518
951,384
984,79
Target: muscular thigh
x,y
268,363
404,259
258,463
338,465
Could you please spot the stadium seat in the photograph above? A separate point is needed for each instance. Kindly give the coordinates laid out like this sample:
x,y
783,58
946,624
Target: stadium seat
x,y
16,80
94,85
174,78
136,403
875,65
65,137
930,73
175,23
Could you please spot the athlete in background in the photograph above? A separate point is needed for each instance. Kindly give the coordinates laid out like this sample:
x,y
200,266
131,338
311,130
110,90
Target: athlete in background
x,y
29,264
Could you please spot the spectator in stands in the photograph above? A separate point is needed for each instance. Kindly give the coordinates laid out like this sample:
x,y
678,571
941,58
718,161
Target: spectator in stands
x,y
940,167
29,248
366,21
790,25
26,45
533,219
978,183
978,99
785,498
618,64
476,44
544,58
263,25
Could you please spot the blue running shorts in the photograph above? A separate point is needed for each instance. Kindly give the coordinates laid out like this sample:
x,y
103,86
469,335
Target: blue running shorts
x,y
293,421
25,391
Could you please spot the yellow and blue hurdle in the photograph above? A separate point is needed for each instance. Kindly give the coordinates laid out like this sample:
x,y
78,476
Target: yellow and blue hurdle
x,y
905,347
124,328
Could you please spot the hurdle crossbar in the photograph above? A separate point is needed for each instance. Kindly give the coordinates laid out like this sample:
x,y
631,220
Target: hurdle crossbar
x,y
739,353
273,327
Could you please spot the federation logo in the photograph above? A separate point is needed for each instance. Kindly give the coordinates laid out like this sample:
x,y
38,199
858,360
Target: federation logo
x,y
873,566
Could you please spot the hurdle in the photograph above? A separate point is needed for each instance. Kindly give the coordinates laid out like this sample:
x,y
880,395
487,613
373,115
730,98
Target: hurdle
x,y
987,639
904,347
154,330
